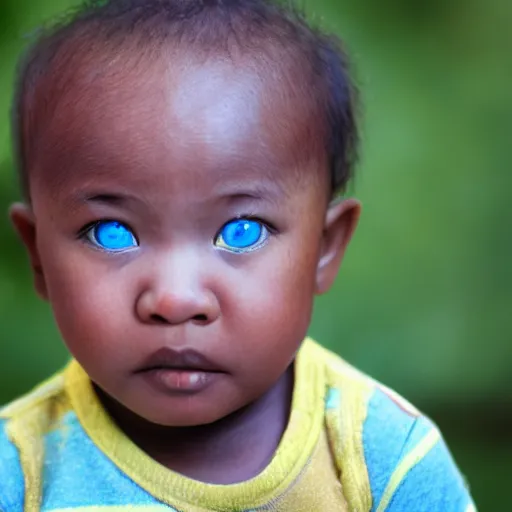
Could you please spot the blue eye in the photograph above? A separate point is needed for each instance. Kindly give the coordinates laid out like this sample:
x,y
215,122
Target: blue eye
x,y
242,235
112,236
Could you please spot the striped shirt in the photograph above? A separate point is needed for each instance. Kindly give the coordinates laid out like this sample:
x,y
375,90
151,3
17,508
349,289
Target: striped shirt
x,y
351,444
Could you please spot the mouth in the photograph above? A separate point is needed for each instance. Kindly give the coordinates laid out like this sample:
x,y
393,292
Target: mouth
x,y
180,360
179,371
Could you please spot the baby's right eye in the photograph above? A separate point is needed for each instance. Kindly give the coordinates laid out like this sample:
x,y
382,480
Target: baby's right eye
x,y
111,236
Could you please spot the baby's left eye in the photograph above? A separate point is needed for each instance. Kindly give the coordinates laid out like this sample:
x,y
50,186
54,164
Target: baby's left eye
x,y
242,235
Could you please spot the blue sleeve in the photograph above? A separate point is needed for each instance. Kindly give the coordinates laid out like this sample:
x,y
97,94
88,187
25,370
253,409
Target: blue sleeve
x,y
426,479
12,486
409,465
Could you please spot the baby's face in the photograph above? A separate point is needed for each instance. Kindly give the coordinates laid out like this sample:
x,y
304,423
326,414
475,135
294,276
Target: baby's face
x,y
179,237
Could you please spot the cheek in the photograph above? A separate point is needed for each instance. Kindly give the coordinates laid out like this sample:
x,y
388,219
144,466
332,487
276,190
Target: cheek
x,y
90,301
290,286
273,303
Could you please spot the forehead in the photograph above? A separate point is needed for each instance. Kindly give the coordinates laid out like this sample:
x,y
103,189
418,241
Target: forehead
x,y
211,120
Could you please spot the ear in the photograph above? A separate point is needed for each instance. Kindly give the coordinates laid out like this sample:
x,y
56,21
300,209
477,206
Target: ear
x,y
340,223
23,221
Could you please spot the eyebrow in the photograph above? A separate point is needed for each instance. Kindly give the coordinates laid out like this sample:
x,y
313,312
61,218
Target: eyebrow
x,y
272,194
107,198
113,199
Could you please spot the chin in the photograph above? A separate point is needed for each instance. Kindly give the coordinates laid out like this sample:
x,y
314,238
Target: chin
x,y
188,418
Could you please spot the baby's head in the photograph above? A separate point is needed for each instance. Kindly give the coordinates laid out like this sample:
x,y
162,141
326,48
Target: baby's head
x,y
178,159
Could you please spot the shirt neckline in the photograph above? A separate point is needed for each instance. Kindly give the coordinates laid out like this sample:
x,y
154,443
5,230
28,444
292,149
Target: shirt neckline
x,y
296,446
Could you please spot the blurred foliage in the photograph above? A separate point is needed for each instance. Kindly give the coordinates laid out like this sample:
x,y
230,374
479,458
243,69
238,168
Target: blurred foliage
x,y
424,299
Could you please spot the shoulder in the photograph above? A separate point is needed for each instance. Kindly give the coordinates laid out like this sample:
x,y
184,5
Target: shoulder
x,y
397,455
23,424
36,400
11,475
409,464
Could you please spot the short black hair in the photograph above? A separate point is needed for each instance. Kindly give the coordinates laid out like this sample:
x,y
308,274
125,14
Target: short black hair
x,y
209,25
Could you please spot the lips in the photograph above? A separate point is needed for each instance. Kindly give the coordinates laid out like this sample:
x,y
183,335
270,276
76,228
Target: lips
x,y
179,372
180,360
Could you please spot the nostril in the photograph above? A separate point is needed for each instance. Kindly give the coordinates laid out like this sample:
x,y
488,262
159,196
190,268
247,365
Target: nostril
x,y
158,319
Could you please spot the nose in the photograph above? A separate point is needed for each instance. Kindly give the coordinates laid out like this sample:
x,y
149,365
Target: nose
x,y
175,294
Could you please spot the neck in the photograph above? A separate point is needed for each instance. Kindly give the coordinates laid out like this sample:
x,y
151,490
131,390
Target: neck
x,y
233,449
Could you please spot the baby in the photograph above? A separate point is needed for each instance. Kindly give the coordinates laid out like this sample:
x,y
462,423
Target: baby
x,y
182,163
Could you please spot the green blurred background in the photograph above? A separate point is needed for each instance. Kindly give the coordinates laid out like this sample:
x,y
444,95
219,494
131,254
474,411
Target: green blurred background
x,y
424,299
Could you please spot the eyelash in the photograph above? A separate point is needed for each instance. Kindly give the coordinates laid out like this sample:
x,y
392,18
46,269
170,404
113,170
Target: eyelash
x,y
271,228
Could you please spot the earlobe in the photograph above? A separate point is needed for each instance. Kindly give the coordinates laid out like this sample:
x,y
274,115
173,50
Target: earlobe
x,y
340,223
23,221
